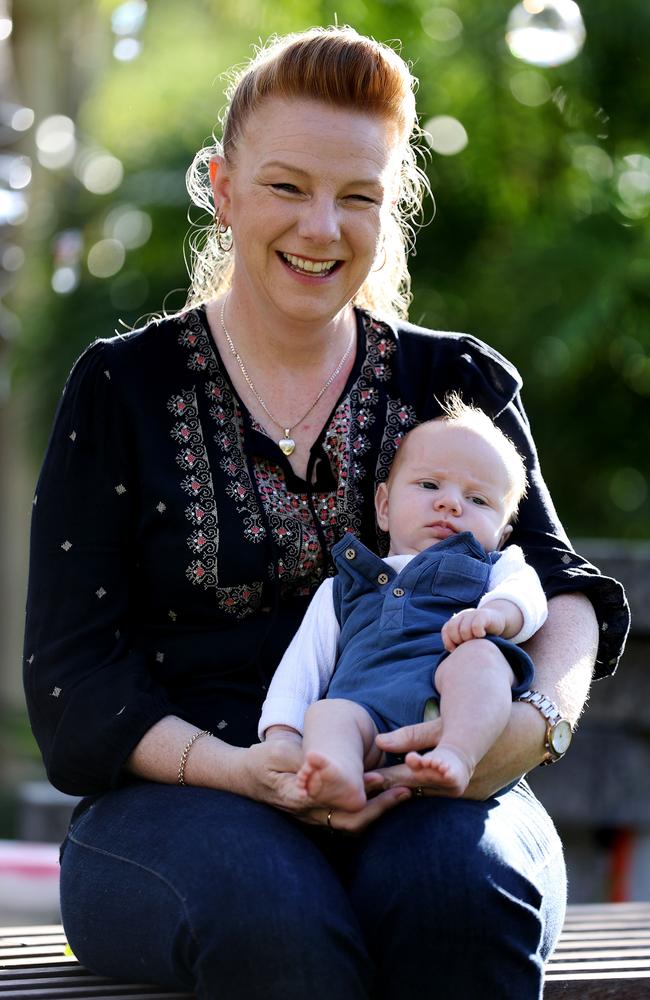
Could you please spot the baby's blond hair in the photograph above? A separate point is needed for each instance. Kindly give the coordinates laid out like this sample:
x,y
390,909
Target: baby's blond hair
x,y
457,413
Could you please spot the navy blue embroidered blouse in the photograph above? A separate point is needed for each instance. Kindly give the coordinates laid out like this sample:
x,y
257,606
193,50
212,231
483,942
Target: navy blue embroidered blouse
x,y
174,551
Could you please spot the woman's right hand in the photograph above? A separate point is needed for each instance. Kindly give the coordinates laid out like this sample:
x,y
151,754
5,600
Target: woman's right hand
x,y
265,772
269,773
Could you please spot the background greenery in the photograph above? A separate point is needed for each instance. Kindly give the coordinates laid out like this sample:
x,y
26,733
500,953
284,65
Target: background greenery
x,y
533,247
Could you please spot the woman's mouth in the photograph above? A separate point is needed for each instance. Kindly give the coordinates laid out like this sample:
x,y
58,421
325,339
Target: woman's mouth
x,y
313,268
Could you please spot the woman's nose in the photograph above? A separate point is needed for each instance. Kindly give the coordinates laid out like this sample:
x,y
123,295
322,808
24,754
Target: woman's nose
x,y
319,222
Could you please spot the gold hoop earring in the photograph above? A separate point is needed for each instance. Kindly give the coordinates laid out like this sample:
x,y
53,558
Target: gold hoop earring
x,y
224,235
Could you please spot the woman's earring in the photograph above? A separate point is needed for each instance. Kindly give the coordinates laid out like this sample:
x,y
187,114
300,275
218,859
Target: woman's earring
x,y
224,235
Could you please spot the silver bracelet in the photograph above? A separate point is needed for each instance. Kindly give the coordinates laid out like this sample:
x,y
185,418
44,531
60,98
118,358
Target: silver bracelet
x,y
186,752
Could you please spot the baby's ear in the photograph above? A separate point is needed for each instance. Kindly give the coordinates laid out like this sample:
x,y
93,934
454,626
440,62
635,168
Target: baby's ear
x,y
505,535
381,506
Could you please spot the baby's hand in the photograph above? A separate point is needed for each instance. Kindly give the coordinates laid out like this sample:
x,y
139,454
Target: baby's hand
x,y
472,623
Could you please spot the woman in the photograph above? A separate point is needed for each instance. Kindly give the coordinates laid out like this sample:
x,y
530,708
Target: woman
x,y
200,470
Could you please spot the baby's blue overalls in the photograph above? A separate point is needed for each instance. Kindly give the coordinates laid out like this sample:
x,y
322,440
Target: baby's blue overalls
x,y
390,644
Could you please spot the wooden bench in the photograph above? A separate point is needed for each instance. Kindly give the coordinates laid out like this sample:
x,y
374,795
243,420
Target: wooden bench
x,y
603,953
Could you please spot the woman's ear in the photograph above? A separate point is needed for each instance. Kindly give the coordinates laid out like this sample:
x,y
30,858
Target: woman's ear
x,y
220,184
381,506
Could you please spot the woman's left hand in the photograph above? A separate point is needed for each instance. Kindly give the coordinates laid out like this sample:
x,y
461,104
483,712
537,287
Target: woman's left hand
x,y
518,750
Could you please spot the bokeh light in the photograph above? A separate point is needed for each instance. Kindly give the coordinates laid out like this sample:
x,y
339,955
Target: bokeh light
x,y
445,135
127,21
628,489
65,280
67,248
530,88
55,141
593,161
6,26
13,258
126,49
22,119
99,171
442,24
128,18
20,172
106,258
14,208
633,186
128,224
545,32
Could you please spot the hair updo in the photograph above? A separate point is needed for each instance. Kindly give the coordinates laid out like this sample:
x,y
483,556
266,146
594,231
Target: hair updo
x,y
339,67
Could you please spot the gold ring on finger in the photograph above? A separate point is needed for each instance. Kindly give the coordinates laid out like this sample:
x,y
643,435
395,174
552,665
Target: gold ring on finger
x,y
418,793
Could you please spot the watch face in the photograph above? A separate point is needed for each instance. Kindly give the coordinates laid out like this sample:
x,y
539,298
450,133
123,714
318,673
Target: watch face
x,y
560,737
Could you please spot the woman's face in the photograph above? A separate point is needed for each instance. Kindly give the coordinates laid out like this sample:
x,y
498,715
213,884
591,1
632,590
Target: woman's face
x,y
305,193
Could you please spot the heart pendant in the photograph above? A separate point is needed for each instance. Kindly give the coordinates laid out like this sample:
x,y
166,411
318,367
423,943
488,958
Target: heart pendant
x,y
287,445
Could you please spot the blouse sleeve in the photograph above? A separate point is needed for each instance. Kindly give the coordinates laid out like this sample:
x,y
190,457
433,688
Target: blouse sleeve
x,y
512,579
483,376
90,694
538,529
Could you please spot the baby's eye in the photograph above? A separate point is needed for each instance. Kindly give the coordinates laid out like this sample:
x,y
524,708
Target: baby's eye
x,y
479,501
428,484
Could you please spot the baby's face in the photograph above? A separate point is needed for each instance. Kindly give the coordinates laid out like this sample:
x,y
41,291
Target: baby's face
x,y
448,479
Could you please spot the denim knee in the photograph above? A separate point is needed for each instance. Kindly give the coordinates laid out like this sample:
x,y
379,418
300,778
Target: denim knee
x,y
193,889
465,884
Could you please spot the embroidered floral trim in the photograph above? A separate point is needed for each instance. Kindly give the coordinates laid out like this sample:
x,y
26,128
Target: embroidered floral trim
x,y
201,512
296,525
242,599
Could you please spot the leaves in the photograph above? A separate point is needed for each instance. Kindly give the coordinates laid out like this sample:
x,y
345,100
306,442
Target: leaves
x,y
540,243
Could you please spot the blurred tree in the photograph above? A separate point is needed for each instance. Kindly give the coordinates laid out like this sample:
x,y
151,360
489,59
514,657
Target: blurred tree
x,y
540,242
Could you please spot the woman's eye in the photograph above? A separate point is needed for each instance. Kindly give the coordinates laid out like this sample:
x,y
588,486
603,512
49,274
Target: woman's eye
x,y
364,199
288,188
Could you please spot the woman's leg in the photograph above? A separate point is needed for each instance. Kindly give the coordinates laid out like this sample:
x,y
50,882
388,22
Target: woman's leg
x,y
200,890
460,900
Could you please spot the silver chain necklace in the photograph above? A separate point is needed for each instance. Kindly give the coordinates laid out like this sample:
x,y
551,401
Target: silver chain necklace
x,y
286,443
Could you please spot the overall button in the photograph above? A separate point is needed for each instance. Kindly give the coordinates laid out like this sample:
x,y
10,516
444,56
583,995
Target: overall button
x,y
398,592
350,554
382,578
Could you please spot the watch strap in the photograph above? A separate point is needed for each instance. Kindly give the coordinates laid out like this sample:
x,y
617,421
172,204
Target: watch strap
x,y
552,716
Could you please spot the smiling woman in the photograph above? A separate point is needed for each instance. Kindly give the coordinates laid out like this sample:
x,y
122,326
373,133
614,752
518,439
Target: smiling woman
x,y
200,472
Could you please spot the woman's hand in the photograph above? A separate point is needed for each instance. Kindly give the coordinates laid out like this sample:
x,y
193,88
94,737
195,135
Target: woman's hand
x,y
270,775
518,750
342,821
563,652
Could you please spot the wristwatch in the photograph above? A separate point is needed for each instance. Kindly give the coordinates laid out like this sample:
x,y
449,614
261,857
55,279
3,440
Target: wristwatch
x,y
558,730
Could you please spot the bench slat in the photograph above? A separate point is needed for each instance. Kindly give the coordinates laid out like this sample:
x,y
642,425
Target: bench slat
x,y
604,952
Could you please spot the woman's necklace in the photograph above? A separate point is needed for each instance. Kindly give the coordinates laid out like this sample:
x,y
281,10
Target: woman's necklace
x,y
286,443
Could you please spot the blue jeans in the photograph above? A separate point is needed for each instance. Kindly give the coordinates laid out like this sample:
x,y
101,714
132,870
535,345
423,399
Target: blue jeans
x,y
202,890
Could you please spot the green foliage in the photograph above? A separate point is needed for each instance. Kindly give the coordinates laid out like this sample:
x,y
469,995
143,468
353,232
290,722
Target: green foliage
x,y
533,248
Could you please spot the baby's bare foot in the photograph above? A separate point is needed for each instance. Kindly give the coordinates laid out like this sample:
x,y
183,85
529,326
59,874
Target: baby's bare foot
x,y
445,768
326,782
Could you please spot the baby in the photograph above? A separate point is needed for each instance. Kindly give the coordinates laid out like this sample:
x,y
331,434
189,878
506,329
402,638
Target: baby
x,y
372,653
